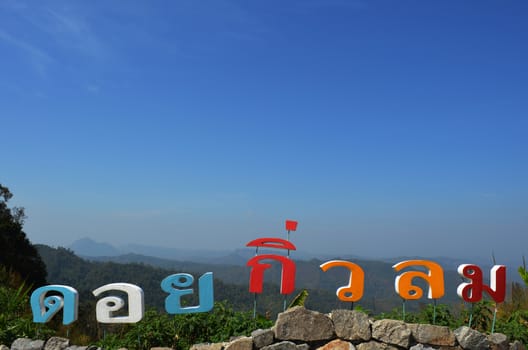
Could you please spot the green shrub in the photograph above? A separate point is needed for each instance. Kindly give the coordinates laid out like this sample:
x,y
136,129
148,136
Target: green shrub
x,y
181,331
16,320
515,326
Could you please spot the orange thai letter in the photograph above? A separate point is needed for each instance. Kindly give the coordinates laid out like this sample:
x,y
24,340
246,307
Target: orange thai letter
x,y
354,290
434,277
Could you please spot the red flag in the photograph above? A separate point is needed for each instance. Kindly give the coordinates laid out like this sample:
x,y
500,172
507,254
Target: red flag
x,y
291,225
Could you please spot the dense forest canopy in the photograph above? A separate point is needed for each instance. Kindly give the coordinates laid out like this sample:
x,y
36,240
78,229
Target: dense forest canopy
x,y
17,254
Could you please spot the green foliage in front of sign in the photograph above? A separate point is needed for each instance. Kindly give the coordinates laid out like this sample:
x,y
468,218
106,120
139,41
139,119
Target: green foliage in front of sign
x,y
16,320
524,274
159,329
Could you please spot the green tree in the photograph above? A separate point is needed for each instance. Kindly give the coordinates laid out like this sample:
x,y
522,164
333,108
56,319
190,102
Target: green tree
x,y
16,252
523,272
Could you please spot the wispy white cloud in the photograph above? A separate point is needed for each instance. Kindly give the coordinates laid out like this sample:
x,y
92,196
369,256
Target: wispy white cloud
x,y
39,58
51,36
72,31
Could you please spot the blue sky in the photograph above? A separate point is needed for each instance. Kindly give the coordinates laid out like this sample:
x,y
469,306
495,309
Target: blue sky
x,y
384,127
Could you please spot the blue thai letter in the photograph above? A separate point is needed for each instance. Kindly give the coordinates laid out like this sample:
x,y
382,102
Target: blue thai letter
x,y
173,284
45,307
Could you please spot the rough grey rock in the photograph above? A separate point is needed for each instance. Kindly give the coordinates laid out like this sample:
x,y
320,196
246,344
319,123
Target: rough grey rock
x,y
432,335
429,347
392,332
421,347
4,347
337,344
303,346
374,345
471,339
242,343
93,347
298,323
517,345
351,325
57,343
208,346
498,341
77,347
283,345
27,344
262,337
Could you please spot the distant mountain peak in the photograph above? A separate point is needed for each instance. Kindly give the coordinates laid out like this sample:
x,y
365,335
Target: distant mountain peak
x,y
88,247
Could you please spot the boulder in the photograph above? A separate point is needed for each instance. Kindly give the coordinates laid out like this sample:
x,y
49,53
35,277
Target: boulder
x,y
430,347
241,343
498,341
392,332
208,346
262,337
27,344
471,339
283,345
432,335
57,343
298,323
337,344
351,325
517,345
421,347
93,347
375,345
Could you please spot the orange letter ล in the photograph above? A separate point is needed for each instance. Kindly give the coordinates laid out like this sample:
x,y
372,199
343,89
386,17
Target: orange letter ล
x,y
435,277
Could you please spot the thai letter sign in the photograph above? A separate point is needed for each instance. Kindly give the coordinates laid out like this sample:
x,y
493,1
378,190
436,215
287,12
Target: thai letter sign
x,y
49,300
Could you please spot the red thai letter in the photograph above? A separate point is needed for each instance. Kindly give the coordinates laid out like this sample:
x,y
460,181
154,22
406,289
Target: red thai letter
x,y
472,291
256,276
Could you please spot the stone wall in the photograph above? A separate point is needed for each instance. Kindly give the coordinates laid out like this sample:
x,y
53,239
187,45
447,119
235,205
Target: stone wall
x,y
302,329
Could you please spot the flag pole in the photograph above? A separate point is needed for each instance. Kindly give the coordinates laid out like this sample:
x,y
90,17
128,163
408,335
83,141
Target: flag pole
x,y
290,226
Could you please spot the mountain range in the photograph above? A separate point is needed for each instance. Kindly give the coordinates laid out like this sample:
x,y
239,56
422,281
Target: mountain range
x,y
101,251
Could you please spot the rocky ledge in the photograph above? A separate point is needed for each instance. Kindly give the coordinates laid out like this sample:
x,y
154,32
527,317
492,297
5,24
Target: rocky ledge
x,y
302,329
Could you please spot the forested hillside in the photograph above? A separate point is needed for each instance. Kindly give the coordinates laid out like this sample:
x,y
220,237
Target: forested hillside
x,y
17,255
